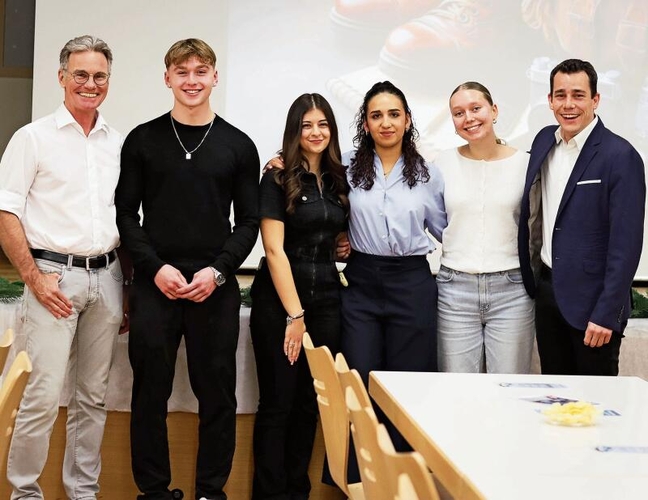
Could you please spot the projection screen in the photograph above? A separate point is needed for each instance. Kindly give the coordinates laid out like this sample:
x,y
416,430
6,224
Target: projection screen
x,y
272,51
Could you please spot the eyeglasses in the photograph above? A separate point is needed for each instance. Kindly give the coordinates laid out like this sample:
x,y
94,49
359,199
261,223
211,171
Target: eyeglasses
x,y
82,77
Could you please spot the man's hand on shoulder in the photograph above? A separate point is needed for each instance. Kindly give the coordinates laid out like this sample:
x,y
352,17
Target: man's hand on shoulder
x,y
169,280
274,163
596,336
201,287
46,290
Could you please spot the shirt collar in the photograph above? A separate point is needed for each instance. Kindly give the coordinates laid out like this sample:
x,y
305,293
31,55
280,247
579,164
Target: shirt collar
x,y
63,118
580,138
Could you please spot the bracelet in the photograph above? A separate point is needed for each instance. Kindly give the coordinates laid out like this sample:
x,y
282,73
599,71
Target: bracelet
x,y
290,319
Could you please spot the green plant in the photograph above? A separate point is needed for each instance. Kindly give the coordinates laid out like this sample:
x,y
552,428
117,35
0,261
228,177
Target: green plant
x,y
10,290
246,299
640,309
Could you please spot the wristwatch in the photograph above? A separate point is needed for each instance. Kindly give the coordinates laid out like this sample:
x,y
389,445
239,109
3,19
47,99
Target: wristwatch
x,y
219,279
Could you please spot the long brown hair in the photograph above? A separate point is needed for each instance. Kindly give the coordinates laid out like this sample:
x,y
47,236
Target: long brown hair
x,y
294,159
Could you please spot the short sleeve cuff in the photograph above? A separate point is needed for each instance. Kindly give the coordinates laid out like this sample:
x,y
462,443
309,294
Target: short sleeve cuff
x,y
12,203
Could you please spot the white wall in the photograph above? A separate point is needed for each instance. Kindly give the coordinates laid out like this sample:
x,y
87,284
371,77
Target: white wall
x,y
272,51
139,34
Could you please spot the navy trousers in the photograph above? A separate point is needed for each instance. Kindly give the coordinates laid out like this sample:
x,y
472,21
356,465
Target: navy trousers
x,y
389,315
560,345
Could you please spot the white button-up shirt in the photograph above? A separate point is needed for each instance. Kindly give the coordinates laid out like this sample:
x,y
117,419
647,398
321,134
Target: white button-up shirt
x,y
554,176
61,184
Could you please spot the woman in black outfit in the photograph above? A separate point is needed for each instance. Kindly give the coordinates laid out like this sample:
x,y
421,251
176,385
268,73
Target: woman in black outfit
x,y
302,208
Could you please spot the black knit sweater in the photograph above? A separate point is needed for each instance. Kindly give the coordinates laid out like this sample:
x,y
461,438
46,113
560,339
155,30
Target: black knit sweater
x,y
186,203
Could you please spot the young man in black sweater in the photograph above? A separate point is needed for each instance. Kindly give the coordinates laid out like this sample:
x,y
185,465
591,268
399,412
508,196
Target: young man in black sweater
x,y
186,168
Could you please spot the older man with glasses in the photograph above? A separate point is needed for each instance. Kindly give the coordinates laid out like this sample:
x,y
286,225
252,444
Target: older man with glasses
x,y
57,226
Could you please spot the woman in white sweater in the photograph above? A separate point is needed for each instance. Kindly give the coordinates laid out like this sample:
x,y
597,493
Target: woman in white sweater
x,y
485,317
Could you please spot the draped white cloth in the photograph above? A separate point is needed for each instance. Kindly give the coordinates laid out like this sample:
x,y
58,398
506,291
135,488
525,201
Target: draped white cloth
x,y
121,376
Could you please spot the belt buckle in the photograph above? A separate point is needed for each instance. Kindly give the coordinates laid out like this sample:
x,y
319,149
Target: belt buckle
x,y
105,256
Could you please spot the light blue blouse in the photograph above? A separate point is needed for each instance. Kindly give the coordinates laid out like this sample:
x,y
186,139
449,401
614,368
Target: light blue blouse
x,y
390,219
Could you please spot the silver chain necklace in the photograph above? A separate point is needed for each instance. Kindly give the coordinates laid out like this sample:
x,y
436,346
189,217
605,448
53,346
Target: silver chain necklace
x,y
189,153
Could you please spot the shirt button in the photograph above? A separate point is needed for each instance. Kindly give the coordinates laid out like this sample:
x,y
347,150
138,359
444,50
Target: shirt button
x,y
384,236
304,198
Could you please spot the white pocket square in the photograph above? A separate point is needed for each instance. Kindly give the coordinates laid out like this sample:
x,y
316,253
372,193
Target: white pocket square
x,y
592,181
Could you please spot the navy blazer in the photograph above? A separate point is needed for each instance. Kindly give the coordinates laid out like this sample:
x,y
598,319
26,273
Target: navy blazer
x,y
598,234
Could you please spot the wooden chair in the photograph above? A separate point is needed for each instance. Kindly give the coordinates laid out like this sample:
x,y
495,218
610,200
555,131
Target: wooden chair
x,y
11,394
333,414
5,345
351,378
385,464
409,476
371,461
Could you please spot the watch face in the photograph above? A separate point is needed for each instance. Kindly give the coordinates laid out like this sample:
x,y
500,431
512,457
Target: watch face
x,y
220,279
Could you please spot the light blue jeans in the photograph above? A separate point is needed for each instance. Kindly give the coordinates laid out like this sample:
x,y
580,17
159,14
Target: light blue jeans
x,y
81,348
484,314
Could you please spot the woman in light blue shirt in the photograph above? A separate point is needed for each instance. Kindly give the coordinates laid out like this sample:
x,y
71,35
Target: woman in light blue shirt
x,y
389,306
396,198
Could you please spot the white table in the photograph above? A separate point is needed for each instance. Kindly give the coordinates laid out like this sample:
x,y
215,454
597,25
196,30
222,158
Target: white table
x,y
498,446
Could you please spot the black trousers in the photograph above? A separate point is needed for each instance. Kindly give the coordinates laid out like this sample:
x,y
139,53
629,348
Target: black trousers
x,y
560,345
211,330
389,315
286,420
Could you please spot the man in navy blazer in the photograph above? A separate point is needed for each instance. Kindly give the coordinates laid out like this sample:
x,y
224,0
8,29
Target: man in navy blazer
x,y
581,229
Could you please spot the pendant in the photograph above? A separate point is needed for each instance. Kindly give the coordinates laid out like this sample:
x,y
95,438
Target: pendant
x,y
188,156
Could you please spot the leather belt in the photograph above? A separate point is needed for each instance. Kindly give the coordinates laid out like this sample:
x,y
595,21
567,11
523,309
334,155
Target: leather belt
x,y
77,261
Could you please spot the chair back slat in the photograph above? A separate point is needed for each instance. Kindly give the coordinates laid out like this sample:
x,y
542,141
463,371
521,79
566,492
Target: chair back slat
x,y
5,345
409,476
11,394
333,414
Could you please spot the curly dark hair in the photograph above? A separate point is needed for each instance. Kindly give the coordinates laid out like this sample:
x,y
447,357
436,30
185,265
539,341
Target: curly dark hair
x,y
290,178
362,169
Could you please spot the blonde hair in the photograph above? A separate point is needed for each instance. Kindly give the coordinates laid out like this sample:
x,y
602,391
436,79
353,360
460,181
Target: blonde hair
x,y
184,50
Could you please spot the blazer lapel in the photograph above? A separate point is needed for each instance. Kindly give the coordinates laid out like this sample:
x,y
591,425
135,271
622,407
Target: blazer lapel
x,y
538,156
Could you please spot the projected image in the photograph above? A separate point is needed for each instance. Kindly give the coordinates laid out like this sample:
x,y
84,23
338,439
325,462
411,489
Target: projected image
x,y
428,47
613,35
340,48
271,52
